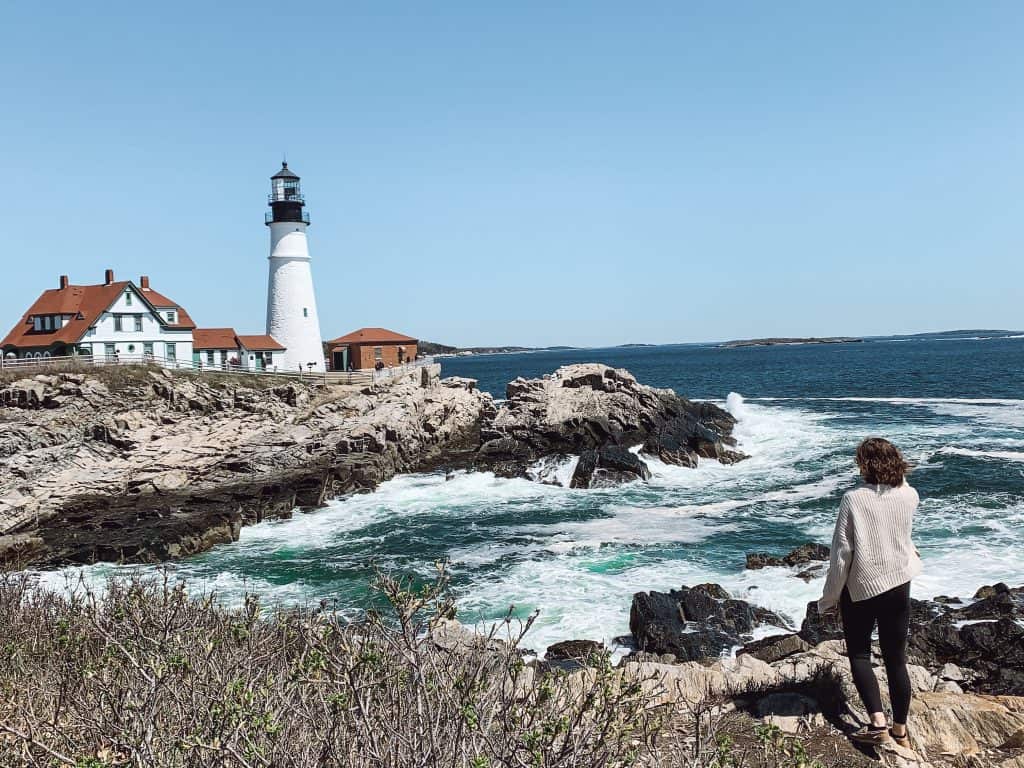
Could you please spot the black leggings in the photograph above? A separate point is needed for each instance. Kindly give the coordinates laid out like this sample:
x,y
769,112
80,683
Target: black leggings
x,y
892,612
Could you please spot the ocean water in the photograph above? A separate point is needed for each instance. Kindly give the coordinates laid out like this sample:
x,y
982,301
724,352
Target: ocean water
x,y
954,403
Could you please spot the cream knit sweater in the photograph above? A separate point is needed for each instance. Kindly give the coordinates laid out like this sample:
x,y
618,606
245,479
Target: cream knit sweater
x,y
871,547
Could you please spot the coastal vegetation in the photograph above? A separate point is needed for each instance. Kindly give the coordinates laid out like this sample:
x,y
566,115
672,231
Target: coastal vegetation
x,y
145,672
119,378
141,674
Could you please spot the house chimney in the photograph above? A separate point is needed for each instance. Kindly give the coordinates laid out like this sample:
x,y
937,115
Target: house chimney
x,y
109,277
63,282
144,282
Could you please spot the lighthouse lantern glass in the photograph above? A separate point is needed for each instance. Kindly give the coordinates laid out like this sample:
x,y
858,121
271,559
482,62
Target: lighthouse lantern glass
x,y
286,189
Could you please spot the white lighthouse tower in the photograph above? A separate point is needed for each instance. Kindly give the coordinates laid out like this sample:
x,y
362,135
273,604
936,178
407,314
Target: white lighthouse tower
x,y
291,304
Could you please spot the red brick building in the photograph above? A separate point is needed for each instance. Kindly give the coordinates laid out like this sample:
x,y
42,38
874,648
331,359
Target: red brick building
x,y
363,349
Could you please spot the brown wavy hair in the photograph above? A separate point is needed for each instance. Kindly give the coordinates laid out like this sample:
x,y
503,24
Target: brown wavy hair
x,y
881,462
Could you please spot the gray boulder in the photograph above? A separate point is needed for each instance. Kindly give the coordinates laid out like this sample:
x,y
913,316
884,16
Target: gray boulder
x,y
592,407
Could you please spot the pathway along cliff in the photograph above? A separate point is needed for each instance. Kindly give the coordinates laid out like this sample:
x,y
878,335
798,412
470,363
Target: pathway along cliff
x,y
136,464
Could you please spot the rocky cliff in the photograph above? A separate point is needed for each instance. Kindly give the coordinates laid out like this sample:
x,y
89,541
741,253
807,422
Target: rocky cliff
x,y
138,464
142,465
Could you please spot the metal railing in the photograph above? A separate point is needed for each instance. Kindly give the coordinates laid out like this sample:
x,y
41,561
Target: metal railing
x,y
276,197
66,362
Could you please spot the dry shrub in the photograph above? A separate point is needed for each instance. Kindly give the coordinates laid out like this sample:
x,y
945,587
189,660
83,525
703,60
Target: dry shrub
x,y
141,674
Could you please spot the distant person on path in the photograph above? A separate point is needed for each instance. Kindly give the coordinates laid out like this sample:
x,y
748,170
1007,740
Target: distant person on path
x,y
872,563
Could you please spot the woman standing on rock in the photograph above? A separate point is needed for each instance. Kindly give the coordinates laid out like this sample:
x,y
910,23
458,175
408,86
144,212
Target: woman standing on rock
x,y
872,563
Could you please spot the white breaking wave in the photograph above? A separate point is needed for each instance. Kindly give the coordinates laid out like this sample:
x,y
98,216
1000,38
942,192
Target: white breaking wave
x,y
988,411
906,400
635,527
1003,455
555,470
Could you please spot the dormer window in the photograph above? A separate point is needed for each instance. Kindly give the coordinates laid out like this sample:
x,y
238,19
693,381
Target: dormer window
x,y
37,323
170,316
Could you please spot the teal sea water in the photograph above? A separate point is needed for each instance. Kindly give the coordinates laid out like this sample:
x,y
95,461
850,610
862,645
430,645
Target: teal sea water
x,y
954,403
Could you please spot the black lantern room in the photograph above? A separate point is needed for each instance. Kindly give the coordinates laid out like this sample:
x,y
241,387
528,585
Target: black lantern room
x,y
286,202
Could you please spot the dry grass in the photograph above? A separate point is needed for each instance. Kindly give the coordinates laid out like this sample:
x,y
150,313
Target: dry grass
x,y
128,375
111,373
143,675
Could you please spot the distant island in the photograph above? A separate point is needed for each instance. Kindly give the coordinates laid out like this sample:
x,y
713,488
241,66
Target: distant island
x,y
781,340
440,350
979,333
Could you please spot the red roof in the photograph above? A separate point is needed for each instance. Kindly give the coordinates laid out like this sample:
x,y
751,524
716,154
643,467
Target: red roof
x,y
372,336
85,303
214,338
259,343
160,301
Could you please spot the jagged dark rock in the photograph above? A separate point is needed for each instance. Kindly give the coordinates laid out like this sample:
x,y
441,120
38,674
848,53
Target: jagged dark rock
x,y
817,628
693,623
608,466
802,555
991,646
574,650
996,606
991,590
992,650
775,648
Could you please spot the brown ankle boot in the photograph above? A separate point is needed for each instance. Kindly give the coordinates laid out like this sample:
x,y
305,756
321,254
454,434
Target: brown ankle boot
x,y
903,741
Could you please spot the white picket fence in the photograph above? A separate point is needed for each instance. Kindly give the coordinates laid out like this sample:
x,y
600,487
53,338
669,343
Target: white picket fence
x,y
44,364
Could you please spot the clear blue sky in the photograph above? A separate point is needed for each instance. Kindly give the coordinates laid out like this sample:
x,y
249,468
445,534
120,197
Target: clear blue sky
x,y
534,173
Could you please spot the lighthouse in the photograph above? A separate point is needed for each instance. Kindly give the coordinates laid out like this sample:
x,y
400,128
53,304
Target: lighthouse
x,y
291,304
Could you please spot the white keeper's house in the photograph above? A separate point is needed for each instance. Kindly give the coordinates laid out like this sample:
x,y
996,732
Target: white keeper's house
x,y
113,320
